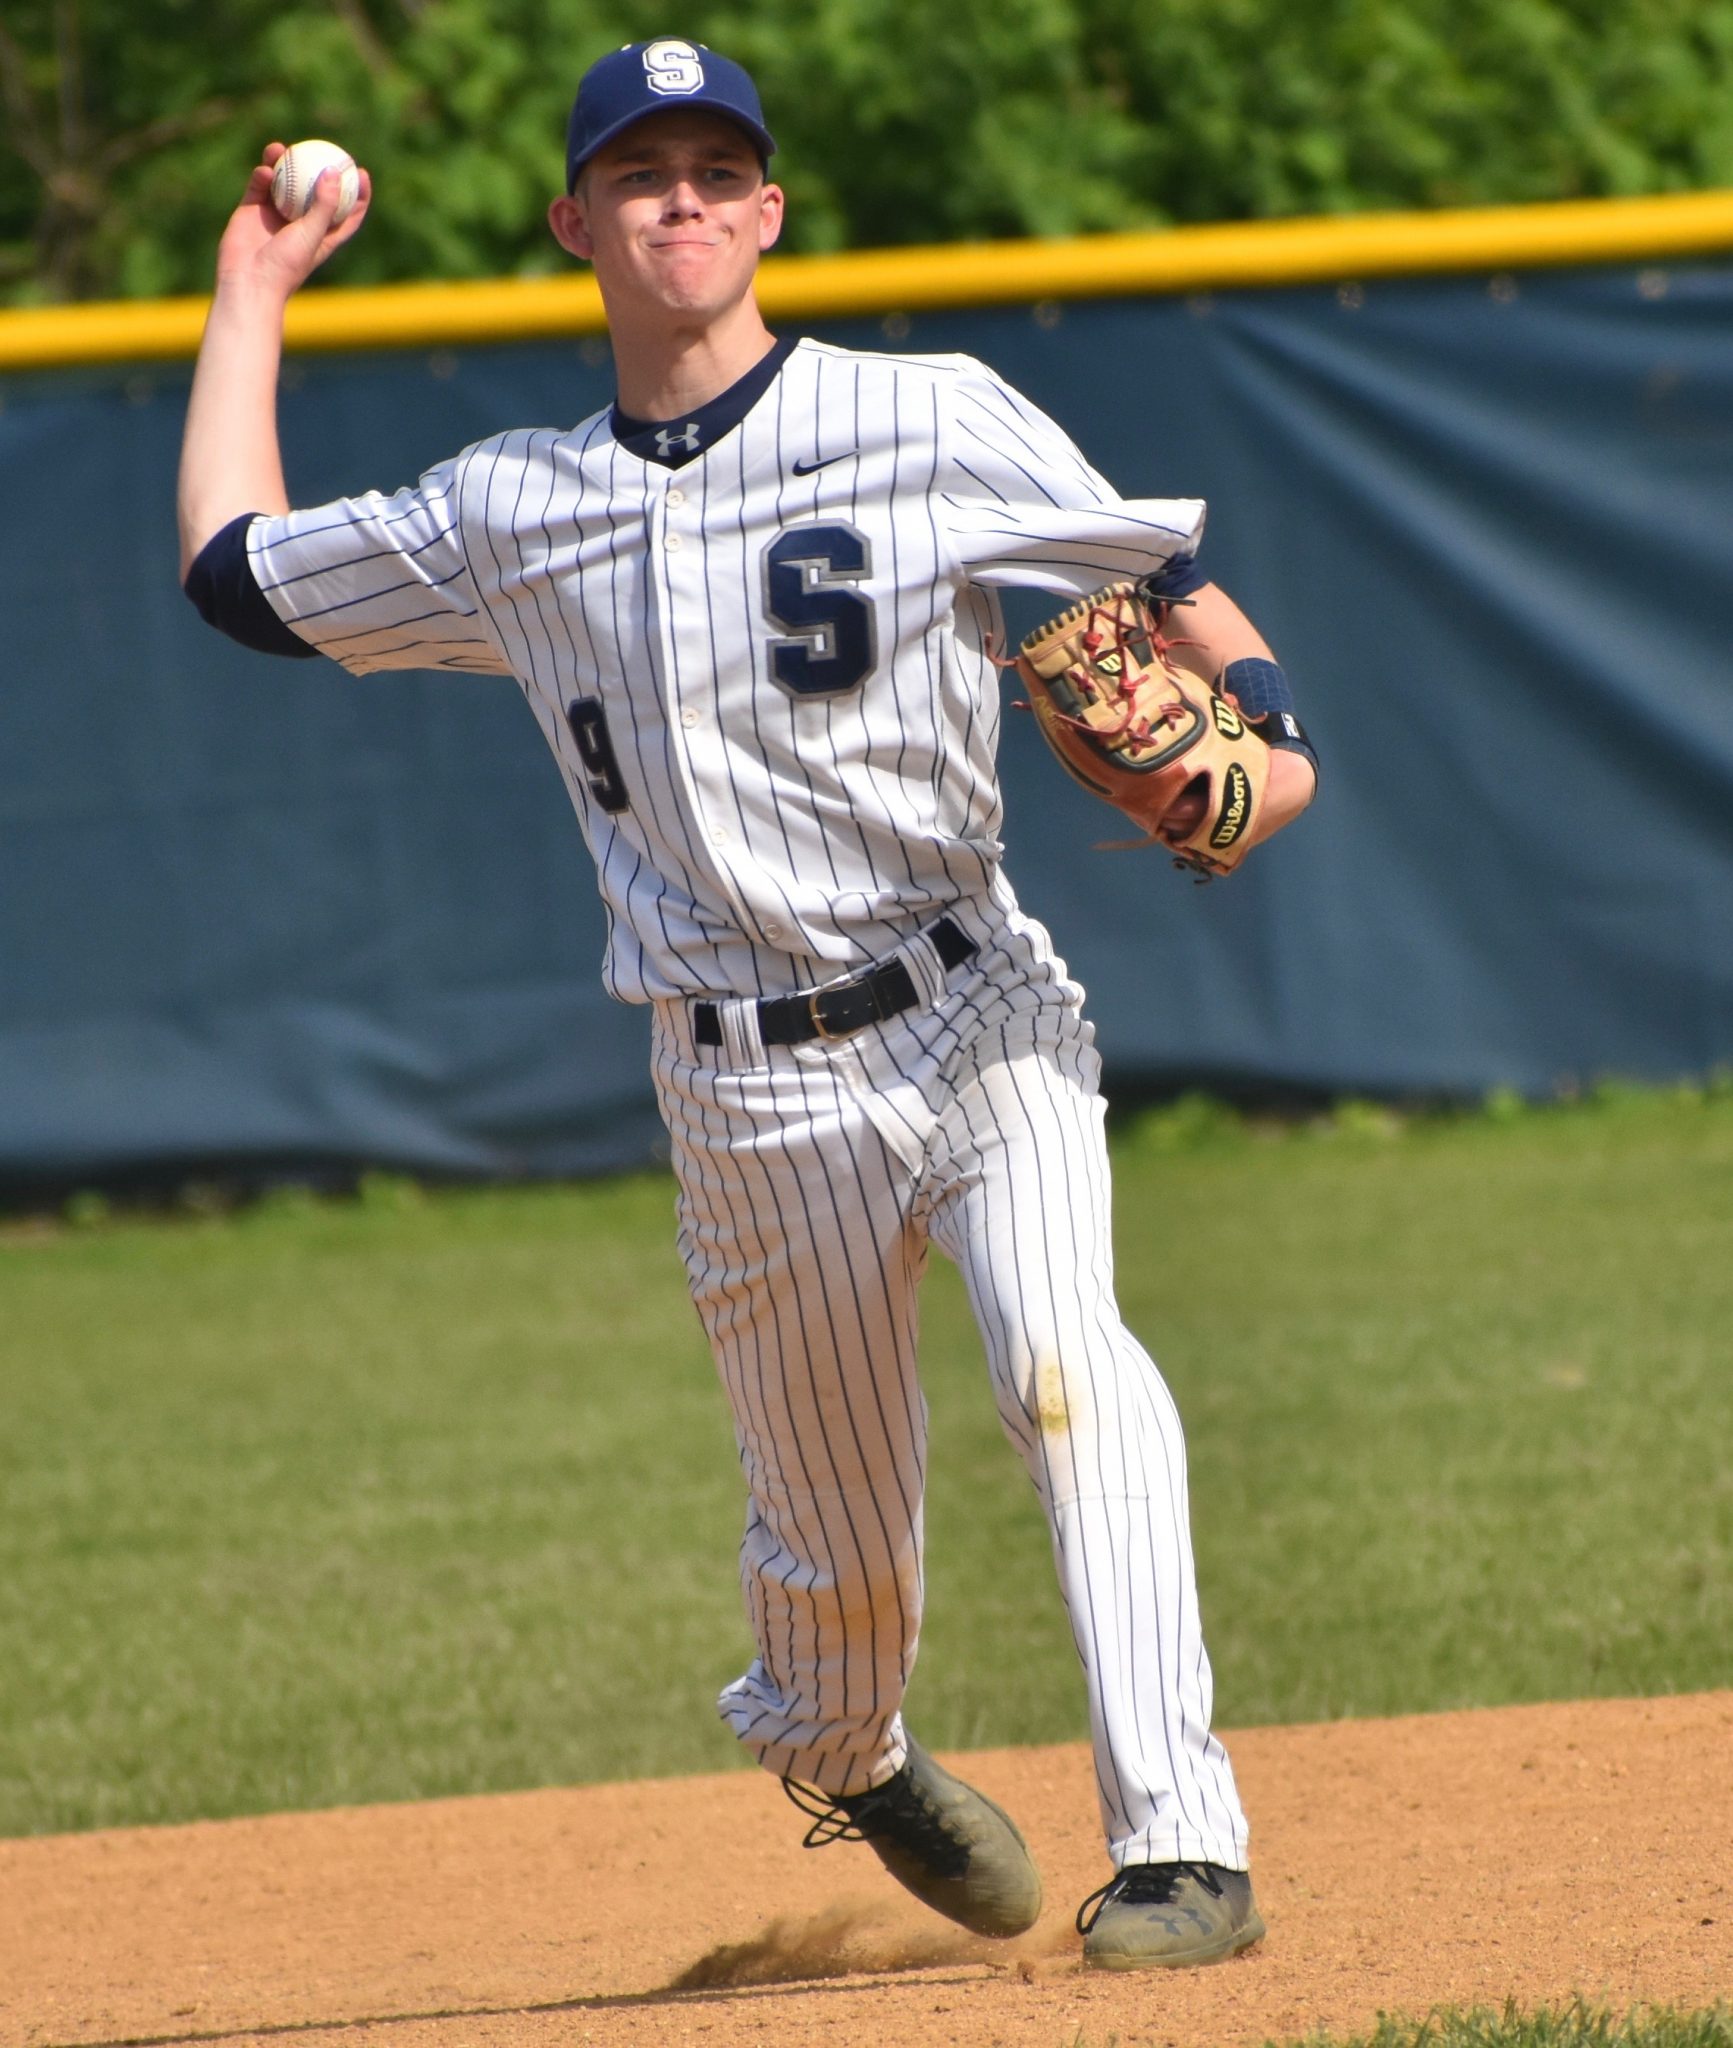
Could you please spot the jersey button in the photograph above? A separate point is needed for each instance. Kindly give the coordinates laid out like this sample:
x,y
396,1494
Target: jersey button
x,y
719,834
773,931
676,496
689,716
673,543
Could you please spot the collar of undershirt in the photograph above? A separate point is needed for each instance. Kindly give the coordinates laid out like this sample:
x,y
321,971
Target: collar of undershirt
x,y
674,442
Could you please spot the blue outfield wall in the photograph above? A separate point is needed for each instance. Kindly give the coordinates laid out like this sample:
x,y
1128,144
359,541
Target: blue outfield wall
x,y
255,915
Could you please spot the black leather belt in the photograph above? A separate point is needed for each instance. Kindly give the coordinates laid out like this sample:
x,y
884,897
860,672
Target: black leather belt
x,y
843,1006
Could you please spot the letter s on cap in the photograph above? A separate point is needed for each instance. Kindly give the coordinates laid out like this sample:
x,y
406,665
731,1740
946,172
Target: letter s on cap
x,y
672,67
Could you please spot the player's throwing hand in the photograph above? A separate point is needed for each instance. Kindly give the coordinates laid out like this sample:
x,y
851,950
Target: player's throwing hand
x,y
259,247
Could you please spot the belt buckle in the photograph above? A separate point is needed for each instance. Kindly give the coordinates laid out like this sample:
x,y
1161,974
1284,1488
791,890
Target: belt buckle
x,y
856,1000
819,1027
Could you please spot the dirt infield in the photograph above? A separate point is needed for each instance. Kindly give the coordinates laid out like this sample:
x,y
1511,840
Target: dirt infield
x,y
1533,1852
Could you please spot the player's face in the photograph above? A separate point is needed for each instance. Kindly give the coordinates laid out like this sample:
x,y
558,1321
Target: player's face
x,y
674,214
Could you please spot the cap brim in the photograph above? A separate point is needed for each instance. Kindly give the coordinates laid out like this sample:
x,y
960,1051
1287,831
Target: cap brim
x,y
761,136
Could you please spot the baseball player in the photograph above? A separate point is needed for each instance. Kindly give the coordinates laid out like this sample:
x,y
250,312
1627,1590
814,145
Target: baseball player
x,y
753,608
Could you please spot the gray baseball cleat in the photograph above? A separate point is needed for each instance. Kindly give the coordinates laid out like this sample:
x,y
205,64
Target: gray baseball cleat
x,y
941,1839
1168,1916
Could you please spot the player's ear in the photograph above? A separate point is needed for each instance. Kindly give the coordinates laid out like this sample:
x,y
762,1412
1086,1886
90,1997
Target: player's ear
x,y
769,216
571,229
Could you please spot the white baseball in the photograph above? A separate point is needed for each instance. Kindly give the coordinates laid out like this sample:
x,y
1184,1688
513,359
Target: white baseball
x,y
297,172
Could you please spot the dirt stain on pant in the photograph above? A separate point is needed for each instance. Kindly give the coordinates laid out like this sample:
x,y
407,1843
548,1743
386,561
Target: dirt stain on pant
x,y
1052,1404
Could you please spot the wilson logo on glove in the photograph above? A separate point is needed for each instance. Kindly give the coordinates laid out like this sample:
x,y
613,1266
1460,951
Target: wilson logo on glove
x,y
1236,813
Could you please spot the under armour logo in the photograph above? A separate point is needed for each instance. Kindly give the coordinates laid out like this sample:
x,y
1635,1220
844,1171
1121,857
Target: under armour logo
x,y
687,438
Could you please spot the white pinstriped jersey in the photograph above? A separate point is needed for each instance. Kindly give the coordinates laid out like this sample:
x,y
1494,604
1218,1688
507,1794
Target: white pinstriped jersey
x,y
766,673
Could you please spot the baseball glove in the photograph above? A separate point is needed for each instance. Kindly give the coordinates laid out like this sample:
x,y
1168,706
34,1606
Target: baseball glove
x,y
1149,737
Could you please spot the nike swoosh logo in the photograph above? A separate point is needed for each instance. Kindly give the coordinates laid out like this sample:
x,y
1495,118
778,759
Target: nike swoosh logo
x,y
807,468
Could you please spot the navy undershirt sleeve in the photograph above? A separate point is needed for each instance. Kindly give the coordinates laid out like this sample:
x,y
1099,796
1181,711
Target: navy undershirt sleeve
x,y
1177,578
222,585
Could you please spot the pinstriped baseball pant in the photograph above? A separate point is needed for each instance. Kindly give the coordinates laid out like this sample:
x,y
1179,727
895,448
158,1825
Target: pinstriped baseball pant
x,y
812,1180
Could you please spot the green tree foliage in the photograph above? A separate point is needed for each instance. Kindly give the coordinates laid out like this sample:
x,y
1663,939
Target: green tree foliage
x,y
128,129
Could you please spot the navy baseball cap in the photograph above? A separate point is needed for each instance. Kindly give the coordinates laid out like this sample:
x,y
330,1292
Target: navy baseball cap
x,y
649,78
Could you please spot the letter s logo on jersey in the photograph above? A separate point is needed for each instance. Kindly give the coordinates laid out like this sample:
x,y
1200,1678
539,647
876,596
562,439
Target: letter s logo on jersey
x,y
672,67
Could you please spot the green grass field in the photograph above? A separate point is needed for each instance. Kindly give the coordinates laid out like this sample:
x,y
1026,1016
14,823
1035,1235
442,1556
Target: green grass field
x,y
1573,2026
332,1501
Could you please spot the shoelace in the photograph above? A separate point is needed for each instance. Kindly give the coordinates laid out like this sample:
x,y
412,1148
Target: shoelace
x,y
893,1808
1144,1884
831,1820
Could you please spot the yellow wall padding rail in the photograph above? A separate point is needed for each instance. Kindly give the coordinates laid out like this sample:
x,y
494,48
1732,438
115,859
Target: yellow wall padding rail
x,y
1328,249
